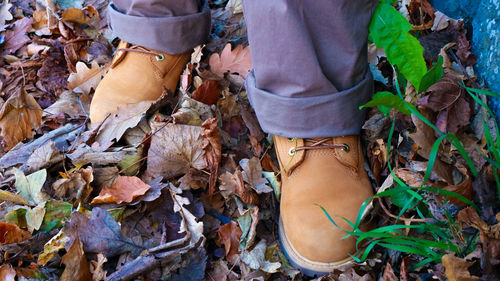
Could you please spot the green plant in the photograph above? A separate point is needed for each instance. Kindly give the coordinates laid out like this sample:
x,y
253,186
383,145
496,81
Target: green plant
x,y
435,237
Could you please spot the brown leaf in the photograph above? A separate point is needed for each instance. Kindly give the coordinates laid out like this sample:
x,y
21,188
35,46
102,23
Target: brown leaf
x,y
85,78
16,38
456,269
76,186
127,116
208,92
20,115
98,273
212,146
235,61
77,268
442,94
389,274
7,273
409,177
125,190
54,72
68,103
233,184
174,149
229,236
464,188
421,14
86,15
11,233
252,174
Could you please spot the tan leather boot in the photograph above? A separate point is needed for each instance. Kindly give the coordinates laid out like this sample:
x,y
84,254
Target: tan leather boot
x,y
136,74
327,172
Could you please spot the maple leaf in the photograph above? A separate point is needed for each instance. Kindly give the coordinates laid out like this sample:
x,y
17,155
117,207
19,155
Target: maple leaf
x,y
76,264
20,115
174,149
125,189
85,78
235,61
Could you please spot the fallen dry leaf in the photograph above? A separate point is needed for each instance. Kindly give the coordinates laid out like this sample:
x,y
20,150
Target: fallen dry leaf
x,y
456,269
75,186
208,92
80,16
233,184
7,272
99,234
235,61
13,198
116,124
252,174
174,149
212,146
11,233
229,236
16,38
125,190
77,268
20,115
5,15
389,273
85,78
69,103
98,273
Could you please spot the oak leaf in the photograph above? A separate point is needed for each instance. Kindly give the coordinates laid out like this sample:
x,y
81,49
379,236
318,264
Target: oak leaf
x,y
5,15
20,115
125,190
86,78
235,61
76,264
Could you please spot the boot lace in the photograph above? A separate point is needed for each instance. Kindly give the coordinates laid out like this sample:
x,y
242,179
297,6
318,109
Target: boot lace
x,y
159,57
316,143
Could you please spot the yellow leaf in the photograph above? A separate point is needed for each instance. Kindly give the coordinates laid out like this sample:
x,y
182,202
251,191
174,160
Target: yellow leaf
x,y
456,269
53,246
13,198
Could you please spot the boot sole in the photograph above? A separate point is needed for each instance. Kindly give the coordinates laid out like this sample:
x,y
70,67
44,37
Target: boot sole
x,y
306,266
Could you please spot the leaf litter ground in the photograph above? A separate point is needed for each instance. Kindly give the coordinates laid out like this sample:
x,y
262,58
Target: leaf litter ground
x,y
187,187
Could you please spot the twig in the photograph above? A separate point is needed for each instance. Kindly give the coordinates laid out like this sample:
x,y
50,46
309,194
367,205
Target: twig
x,y
387,212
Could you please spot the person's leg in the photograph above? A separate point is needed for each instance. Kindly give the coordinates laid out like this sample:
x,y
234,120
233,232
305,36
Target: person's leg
x,y
310,65
310,75
157,38
170,26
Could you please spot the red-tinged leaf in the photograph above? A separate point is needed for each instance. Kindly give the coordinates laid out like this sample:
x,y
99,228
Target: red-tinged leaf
x,y
125,190
11,233
208,92
212,146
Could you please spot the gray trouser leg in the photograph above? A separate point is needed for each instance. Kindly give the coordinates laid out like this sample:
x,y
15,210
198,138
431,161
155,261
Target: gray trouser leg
x,y
170,26
310,71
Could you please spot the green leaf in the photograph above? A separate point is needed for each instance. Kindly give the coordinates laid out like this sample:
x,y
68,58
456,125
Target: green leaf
x,y
271,178
385,101
55,213
389,30
432,76
30,187
17,217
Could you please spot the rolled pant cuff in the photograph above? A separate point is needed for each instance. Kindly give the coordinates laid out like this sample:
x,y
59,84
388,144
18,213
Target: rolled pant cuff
x,y
172,35
328,115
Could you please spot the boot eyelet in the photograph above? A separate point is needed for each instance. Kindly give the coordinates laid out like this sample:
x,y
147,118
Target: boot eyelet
x,y
292,151
291,139
160,57
346,148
